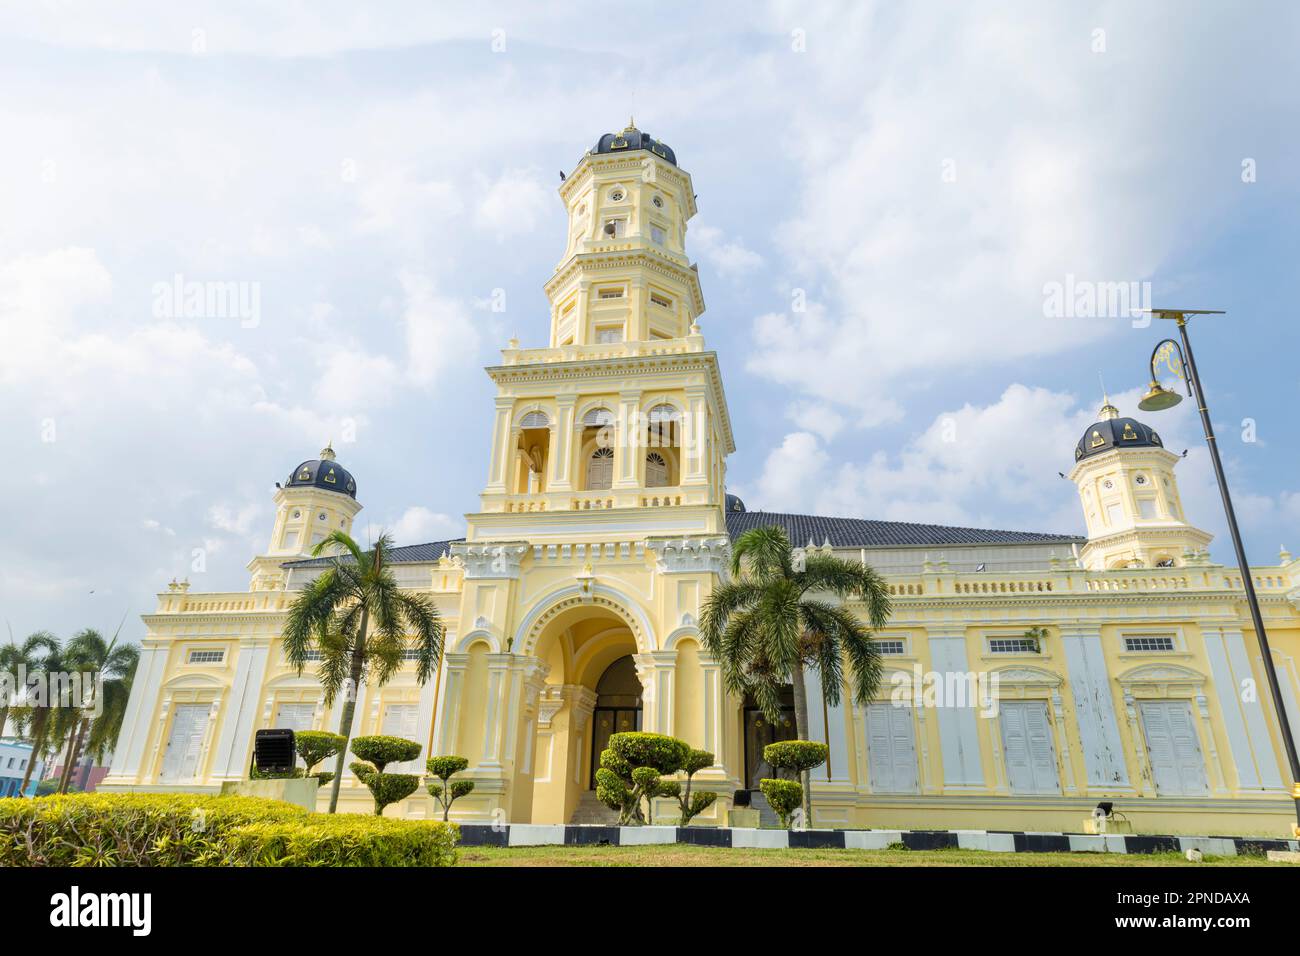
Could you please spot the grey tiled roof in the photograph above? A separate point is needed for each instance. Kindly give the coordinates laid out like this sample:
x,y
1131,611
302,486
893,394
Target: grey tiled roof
x,y
865,533
406,554
841,532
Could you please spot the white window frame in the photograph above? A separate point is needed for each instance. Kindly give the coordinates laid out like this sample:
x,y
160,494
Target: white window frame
x,y
191,652
1180,642
904,639
989,638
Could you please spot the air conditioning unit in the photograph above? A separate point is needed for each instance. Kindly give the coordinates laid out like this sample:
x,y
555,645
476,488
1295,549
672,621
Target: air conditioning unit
x,y
273,751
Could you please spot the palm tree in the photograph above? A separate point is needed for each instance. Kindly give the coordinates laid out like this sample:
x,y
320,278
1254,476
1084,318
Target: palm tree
x,y
113,667
773,619
38,717
355,614
19,659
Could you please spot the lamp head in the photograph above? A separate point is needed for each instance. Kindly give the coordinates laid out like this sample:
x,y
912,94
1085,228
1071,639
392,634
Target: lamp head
x,y
1158,398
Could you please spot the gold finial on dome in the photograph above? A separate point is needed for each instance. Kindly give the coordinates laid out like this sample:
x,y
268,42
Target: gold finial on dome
x,y
327,453
1108,411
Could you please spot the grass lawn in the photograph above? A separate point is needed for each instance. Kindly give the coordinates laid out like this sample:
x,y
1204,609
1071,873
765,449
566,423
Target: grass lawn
x,y
677,854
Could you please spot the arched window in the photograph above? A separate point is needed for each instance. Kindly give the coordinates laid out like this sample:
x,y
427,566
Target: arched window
x,y
598,418
600,469
664,413
535,420
662,426
656,470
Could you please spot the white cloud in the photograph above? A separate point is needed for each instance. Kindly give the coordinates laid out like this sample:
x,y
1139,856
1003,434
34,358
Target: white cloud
x,y
730,258
235,519
418,524
817,417
509,207
440,334
954,165
789,470
984,466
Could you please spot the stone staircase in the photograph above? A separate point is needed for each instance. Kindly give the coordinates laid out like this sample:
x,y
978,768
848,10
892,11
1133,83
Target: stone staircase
x,y
766,815
591,810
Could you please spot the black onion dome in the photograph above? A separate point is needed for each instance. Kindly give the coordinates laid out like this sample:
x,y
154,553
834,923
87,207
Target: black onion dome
x,y
1115,431
633,138
324,472
734,505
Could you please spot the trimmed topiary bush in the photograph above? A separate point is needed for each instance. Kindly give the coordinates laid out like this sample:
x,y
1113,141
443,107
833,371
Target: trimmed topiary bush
x,y
442,789
137,829
376,753
798,756
692,805
347,840
381,750
783,796
630,770
386,788
314,746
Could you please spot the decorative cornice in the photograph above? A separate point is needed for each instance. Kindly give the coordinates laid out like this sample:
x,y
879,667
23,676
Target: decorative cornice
x,y
708,553
491,561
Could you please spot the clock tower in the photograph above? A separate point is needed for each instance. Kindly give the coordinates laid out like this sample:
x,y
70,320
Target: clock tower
x,y
620,422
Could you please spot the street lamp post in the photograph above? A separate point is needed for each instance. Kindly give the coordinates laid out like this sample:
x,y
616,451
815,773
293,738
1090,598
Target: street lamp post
x,y
1158,398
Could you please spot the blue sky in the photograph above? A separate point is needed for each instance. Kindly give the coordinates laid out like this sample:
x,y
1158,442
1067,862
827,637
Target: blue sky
x,y
920,172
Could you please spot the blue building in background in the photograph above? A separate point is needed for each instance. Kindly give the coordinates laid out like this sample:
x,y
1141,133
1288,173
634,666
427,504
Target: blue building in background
x,y
14,755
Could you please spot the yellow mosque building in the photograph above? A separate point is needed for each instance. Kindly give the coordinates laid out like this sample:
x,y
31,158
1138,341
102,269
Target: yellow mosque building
x,y
1120,666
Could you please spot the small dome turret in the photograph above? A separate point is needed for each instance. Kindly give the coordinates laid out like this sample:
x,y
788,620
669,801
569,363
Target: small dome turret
x,y
633,138
1112,430
324,472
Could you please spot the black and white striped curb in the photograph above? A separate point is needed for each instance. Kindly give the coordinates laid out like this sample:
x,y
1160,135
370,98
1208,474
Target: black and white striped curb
x,y
997,841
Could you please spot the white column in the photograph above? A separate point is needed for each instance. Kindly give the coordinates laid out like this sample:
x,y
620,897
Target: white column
x,y
499,710
502,435
1094,711
562,444
128,755
826,724
963,767
714,697
695,435
627,451
423,717
655,670
453,685
236,737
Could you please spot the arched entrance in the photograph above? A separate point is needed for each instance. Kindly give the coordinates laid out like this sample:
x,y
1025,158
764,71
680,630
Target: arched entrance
x,y
591,692
618,709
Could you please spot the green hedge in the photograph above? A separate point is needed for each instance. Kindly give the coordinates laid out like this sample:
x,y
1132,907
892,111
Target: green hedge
x,y
344,840
153,829
156,829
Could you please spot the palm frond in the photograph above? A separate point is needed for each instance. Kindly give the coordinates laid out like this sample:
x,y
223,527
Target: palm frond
x,y
310,613
725,601
424,625
849,579
764,552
